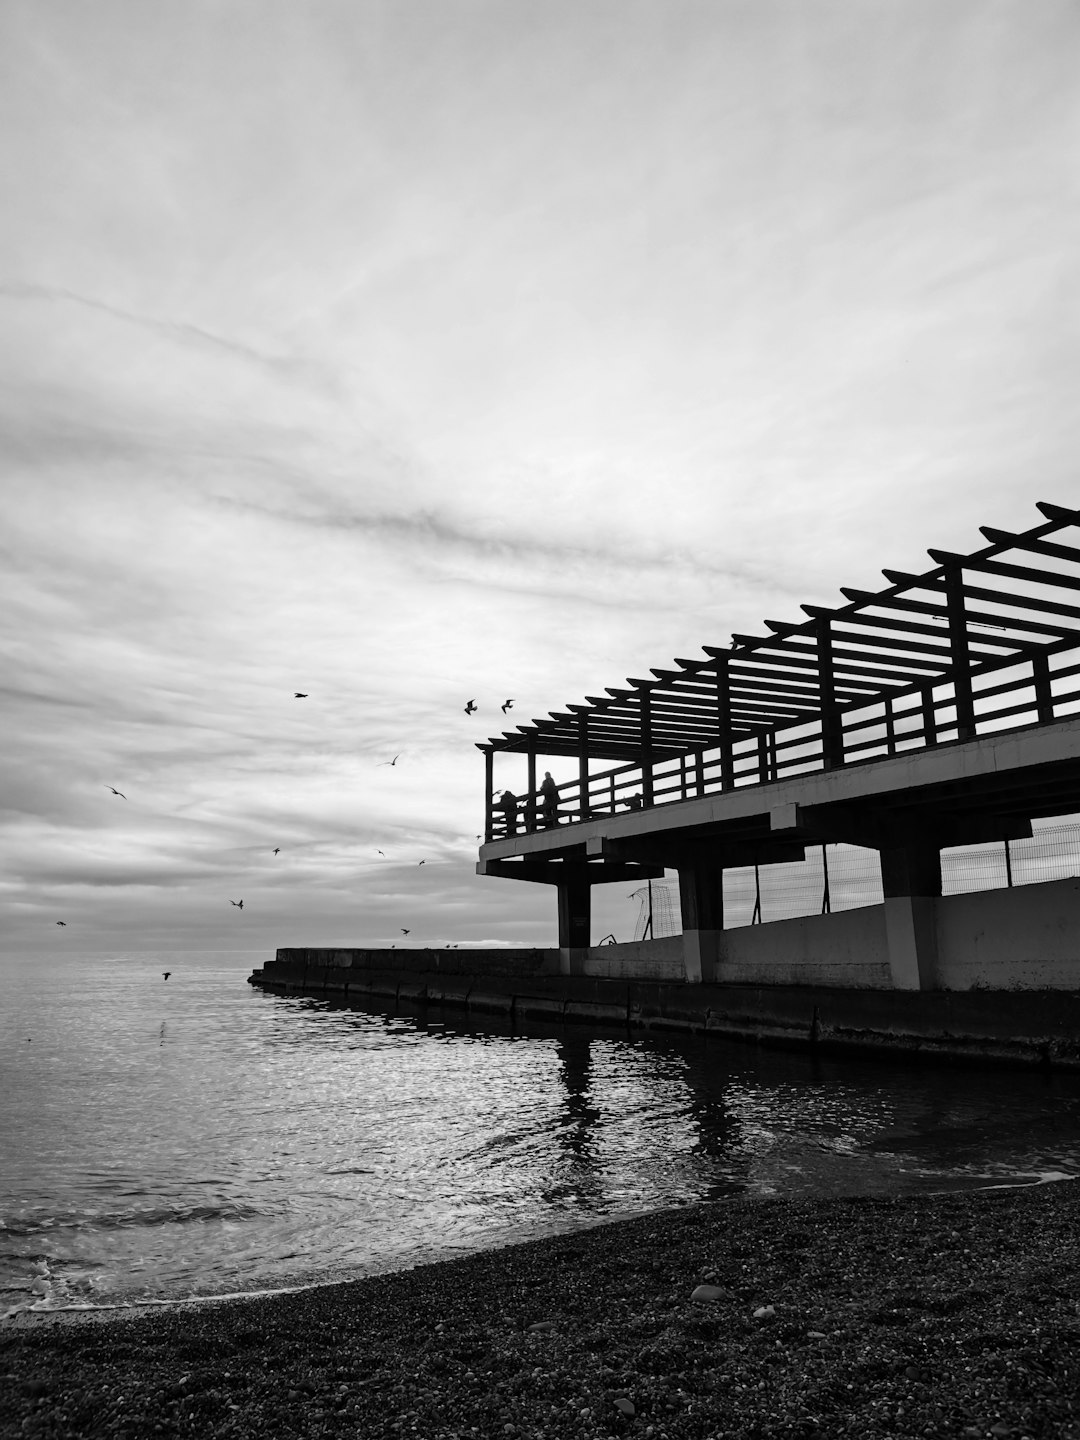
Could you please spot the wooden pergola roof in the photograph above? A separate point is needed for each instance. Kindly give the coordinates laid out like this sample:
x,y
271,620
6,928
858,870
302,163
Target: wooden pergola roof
x,y
1017,598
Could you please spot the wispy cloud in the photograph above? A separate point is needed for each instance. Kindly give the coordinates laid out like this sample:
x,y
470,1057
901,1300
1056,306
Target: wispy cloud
x,y
292,367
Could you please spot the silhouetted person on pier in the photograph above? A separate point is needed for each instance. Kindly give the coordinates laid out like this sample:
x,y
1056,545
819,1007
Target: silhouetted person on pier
x,y
508,805
550,791
634,802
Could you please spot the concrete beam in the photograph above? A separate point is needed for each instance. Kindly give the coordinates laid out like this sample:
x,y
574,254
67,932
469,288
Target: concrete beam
x,y
542,872
673,853
785,817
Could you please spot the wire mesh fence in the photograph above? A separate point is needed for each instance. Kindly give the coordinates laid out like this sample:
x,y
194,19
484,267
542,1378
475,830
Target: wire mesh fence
x,y
844,877
658,910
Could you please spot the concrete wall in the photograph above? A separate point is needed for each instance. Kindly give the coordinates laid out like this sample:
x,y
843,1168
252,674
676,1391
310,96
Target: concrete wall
x,y
848,949
638,960
1027,938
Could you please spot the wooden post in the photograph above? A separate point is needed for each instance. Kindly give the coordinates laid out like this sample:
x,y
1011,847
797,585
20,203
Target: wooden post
x,y
583,767
530,803
890,727
723,724
763,756
489,791
1044,696
699,770
961,654
832,734
646,748
826,896
929,721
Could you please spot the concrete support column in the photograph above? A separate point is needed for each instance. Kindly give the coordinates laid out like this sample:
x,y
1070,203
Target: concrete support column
x,y
911,881
701,900
575,923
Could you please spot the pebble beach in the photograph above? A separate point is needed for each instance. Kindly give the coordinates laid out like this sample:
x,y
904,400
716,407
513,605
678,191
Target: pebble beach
x,y
929,1315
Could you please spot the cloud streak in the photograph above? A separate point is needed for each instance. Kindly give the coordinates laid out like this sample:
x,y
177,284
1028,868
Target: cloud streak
x,y
183,332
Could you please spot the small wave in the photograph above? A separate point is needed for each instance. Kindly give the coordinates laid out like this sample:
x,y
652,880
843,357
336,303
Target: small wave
x,y
125,1219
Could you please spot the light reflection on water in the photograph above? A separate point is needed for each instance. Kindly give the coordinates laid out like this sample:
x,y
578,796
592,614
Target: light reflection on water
x,y
196,1136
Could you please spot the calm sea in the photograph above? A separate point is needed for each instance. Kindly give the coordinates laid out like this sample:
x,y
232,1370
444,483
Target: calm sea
x,y
168,1139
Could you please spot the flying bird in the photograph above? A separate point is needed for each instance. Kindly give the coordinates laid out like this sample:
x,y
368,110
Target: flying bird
x,y
116,792
238,903
404,931
277,849
423,862
300,695
382,853
167,973
61,922
470,707
390,762
506,706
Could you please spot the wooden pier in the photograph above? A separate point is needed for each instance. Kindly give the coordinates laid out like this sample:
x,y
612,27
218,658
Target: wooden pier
x,y
941,710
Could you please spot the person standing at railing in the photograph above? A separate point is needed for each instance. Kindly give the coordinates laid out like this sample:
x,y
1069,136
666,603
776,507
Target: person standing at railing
x,y
508,805
550,791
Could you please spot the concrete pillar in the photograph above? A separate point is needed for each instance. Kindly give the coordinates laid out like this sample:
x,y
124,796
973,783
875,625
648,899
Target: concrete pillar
x,y
575,922
911,882
701,900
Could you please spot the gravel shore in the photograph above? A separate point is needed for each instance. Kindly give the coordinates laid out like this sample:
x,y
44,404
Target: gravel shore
x,y
946,1315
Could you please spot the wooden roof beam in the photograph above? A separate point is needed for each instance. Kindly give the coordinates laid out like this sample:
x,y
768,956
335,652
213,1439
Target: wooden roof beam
x,y
737,676
750,642
840,653
1022,602
789,627
974,617
1010,572
1028,542
889,622
1058,513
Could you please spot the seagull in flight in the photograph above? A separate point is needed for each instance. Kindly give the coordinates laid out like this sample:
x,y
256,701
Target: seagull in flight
x,y
506,706
62,922
470,707
299,695
404,931
238,903
423,862
390,762
116,792
167,973
277,849
382,853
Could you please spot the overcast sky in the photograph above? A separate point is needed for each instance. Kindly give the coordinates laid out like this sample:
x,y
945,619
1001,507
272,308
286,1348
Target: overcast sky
x,y
406,352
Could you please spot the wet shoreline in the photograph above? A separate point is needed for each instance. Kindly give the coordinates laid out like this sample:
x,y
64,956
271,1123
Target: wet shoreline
x,y
949,1314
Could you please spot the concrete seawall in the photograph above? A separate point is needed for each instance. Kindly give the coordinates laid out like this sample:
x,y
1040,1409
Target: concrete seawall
x,y
1020,1027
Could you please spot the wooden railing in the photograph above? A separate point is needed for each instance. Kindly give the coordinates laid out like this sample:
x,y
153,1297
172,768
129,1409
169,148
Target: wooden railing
x,y
1014,695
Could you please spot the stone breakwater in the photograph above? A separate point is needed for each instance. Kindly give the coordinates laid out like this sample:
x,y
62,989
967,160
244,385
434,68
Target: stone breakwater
x,y
1021,1027
942,1315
